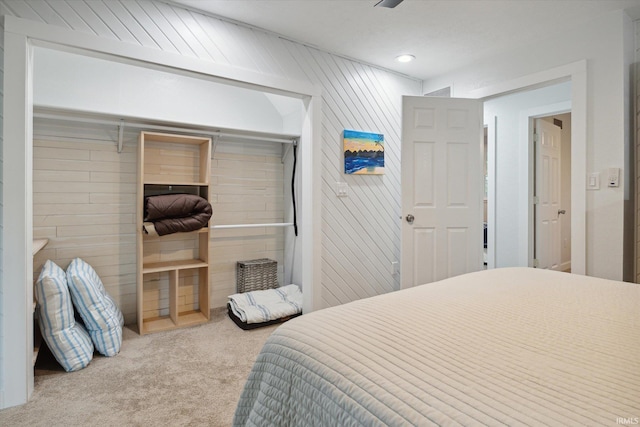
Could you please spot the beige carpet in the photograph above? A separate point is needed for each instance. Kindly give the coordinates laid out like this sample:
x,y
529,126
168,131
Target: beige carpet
x,y
192,376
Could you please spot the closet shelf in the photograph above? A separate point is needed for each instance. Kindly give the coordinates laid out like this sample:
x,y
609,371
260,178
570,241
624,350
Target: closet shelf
x,y
177,183
176,132
38,244
153,236
275,224
165,323
156,267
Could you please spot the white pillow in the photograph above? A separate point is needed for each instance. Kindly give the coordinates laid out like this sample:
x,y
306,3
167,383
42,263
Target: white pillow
x,y
68,341
102,317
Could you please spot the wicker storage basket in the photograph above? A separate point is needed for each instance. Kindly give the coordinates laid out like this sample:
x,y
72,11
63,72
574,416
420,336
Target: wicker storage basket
x,y
256,274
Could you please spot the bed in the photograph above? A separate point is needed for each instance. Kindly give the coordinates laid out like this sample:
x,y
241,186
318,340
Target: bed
x,y
512,346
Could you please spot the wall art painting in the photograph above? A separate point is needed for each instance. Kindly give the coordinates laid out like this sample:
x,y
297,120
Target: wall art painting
x,y
363,153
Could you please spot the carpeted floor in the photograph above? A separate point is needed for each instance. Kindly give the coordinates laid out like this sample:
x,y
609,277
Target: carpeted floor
x,y
192,376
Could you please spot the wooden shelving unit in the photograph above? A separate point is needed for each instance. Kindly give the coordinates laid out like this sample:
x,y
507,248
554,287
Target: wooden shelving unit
x,y
173,270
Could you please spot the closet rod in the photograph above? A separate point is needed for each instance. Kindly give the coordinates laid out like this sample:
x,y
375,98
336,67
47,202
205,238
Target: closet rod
x,y
276,224
121,124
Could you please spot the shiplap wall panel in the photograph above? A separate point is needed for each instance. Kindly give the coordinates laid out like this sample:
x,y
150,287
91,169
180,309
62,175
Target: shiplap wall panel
x,y
45,11
183,31
84,10
247,188
282,54
112,22
369,272
156,11
136,16
200,36
23,9
354,96
129,24
71,18
366,226
206,33
84,203
224,37
262,56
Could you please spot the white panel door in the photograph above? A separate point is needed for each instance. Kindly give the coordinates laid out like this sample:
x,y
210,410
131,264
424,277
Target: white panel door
x,y
442,188
547,190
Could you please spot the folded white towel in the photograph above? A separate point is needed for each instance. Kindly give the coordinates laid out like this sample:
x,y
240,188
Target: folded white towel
x,y
265,305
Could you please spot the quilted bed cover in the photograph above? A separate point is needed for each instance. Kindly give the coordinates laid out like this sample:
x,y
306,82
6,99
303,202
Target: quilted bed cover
x,y
513,346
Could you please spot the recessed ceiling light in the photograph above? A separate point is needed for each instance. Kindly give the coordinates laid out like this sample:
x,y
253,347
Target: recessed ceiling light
x,y
405,58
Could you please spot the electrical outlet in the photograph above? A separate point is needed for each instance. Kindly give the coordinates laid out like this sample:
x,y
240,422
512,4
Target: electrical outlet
x,y
613,177
395,268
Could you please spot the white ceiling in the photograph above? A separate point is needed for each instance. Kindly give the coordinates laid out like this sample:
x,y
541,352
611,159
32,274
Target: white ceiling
x,y
444,35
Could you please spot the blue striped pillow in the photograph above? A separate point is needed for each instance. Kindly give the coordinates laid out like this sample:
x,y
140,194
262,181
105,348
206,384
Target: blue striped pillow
x,y
102,317
68,341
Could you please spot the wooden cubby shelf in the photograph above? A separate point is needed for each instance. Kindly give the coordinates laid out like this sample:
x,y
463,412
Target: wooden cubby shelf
x,y
176,184
173,270
156,267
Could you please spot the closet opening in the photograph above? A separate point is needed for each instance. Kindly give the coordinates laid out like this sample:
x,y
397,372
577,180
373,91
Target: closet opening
x,y
22,40
251,161
84,195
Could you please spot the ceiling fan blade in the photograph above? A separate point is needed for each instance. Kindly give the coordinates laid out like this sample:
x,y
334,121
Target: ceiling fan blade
x,y
388,3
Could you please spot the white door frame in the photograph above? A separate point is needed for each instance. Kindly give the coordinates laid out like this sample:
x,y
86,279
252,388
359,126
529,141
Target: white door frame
x,y
491,192
576,72
527,124
20,36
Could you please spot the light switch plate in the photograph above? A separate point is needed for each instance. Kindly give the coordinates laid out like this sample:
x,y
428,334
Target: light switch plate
x,y
593,181
342,189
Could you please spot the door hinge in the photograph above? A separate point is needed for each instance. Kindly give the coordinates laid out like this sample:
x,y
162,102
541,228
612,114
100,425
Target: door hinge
x,y
536,200
536,263
535,137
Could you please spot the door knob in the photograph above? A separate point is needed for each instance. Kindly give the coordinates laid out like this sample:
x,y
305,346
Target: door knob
x,y
410,218
561,211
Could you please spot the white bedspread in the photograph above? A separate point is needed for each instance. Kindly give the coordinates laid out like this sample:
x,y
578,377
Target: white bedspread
x,y
509,347
266,305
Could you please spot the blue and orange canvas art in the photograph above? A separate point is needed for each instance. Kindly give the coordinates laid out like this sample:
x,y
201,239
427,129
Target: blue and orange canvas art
x,y
363,153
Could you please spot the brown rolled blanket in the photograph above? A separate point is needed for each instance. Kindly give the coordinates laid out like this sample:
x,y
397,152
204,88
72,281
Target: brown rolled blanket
x,y
173,213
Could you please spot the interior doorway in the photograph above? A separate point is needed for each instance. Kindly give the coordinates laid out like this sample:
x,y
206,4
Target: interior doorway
x,y
510,119
551,221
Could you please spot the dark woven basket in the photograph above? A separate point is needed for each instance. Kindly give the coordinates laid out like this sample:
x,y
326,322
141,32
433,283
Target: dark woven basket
x,y
256,275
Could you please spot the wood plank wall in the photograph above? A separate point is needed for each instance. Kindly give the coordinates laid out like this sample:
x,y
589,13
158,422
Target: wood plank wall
x,y
84,203
247,188
360,233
